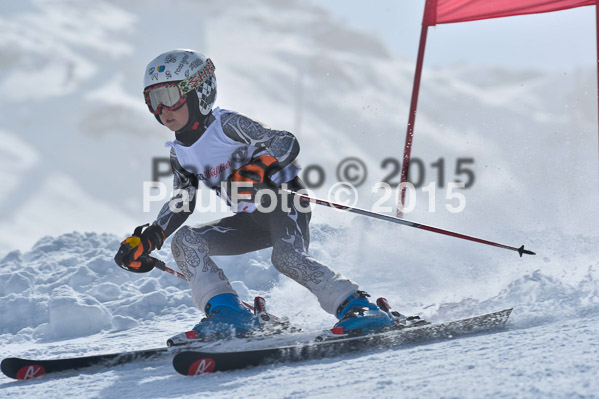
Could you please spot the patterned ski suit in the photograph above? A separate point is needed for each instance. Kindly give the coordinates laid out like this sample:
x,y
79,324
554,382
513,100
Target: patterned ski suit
x,y
229,141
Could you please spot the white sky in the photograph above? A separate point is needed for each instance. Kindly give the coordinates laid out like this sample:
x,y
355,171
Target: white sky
x,y
560,40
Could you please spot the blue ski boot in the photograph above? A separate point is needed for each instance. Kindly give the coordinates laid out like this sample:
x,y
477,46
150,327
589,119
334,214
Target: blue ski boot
x,y
357,316
226,317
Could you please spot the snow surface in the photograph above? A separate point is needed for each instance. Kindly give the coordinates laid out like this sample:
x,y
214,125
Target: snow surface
x,y
76,142
65,297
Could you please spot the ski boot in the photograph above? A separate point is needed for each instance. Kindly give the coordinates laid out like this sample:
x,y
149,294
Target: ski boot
x,y
226,318
357,316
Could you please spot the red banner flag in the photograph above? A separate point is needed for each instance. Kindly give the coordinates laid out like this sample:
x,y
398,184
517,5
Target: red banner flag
x,y
449,11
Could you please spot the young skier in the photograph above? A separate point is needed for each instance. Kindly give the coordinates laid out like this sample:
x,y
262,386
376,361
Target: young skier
x,y
213,146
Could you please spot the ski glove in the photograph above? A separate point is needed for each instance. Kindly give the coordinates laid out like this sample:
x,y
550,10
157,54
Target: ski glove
x,y
257,172
133,253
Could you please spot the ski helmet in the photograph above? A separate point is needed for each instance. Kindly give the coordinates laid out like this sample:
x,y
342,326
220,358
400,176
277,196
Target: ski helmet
x,y
178,74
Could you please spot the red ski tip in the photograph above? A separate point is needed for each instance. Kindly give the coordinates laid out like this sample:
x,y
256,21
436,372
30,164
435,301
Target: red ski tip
x,y
30,372
202,366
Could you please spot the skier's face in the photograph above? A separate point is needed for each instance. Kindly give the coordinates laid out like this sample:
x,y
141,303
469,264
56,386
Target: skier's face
x,y
175,120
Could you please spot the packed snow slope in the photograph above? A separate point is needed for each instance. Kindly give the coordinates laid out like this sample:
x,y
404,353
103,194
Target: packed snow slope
x,y
76,143
65,297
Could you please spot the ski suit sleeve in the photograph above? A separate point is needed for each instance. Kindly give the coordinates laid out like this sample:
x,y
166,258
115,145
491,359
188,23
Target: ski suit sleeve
x,y
176,211
278,143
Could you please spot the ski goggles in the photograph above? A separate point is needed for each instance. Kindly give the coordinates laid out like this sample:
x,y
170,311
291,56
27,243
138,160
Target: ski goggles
x,y
173,95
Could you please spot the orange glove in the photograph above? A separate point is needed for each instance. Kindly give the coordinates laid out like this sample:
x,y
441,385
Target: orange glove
x,y
257,172
133,252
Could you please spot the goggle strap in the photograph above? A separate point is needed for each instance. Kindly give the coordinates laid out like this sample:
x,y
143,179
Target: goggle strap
x,y
202,75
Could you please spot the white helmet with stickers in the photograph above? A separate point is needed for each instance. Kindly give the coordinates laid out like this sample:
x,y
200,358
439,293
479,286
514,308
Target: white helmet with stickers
x,y
177,73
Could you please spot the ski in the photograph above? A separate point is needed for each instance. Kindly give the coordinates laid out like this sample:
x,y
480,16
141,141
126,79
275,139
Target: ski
x,y
27,369
196,362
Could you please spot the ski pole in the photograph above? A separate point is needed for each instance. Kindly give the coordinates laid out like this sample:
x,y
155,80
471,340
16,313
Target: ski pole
x,y
404,222
158,264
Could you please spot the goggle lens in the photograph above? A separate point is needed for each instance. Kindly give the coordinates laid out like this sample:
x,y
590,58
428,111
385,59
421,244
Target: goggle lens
x,y
168,96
